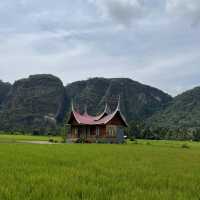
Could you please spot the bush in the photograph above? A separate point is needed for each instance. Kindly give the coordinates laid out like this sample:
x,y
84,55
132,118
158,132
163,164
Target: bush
x,y
124,142
148,143
88,141
134,142
185,146
132,139
51,140
103,142
80,140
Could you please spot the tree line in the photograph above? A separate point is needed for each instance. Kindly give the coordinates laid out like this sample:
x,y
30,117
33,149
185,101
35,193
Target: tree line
x,y
139,130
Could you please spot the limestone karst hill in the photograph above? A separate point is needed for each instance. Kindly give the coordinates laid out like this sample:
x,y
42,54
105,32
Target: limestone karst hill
x,y
27,104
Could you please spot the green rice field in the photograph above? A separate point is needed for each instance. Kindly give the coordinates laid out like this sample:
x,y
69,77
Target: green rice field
x,y
138,170
24,138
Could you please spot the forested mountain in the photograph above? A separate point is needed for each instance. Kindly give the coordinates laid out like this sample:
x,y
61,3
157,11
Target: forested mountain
x,y
4,89
138,101
182,112
39,104
34,101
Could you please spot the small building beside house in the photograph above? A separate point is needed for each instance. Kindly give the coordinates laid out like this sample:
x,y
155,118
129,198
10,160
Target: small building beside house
x,y
105,128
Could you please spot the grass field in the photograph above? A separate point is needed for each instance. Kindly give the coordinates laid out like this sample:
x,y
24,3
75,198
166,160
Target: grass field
x,y
147,170
24,138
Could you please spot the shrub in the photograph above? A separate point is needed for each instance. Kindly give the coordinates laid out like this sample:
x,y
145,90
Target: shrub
x,y
103,142
80,140
134,142
132,139
51,140
124,142
185,146
148,143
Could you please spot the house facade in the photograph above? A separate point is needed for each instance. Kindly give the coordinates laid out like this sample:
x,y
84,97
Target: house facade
x,y
105,128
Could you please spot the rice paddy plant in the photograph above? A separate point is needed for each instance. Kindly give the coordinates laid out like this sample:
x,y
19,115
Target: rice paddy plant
x,y
99,171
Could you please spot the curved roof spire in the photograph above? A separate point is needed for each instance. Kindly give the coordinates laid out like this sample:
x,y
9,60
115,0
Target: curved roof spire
x,y
106,108
72,106
102,119
103,114
119,102
85,110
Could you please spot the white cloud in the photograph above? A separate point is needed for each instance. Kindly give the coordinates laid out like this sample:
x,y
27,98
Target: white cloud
x,y
112,38
127,11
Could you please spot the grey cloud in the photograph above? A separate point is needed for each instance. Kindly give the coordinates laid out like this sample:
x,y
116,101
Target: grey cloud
x,y
187,9
122,11
73,41
29,15
125,12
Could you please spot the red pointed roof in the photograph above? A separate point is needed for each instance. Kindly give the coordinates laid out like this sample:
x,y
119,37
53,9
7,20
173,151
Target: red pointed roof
x,y
102,119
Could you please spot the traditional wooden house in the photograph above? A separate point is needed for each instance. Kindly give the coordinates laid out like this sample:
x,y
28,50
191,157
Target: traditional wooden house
x,y
106,127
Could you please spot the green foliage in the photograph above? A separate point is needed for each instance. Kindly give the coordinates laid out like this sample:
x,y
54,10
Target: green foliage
x,y
64,131
138,101
148,143
80,140
33,105
151,113
185,146
161,170
33,102
135,129
17,138
4,90
182,112
141,131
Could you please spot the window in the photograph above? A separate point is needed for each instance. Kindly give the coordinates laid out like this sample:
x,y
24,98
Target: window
x,y
76,131
111,131
88,131
97,131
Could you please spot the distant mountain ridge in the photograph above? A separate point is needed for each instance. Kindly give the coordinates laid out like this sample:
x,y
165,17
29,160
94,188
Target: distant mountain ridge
x,y
4,90
138,101
182,112
28,103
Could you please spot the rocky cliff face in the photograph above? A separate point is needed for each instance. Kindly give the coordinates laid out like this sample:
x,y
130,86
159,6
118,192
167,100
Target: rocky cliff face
x,y
31,102
138,101
4,90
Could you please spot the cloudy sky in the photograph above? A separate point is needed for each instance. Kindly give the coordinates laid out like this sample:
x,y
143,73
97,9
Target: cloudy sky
x,y
156,42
